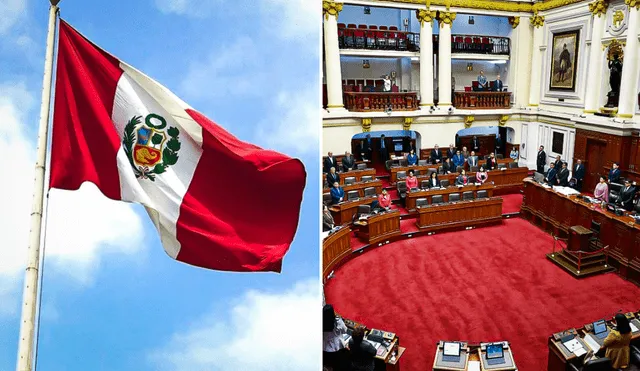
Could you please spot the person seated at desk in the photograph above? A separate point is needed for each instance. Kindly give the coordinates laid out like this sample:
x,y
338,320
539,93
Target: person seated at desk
x,y
451,151
329,162
497,84
412,181
473,159
434,182
327,220
552,175
481,175
614,174
332,177
458,159
483,84
436,156
362,352
384,200
602,190
412,158
347,162
337,193
448,167
563,175
616,344
462,179
514,154
334,353
627,194
492,163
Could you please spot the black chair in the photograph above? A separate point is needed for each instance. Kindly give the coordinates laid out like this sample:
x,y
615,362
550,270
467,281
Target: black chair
x,y
326,198
599,364
364,209
444,183
402,189
416,172
513,165
387,165
439,169
502,166
467,195
367,178
352,195
614,192
482,194
458,168
595,228
401,175
424,184
422,162
421,202
349,180
474,169
499,156
369,191
437,199
361,166
454,197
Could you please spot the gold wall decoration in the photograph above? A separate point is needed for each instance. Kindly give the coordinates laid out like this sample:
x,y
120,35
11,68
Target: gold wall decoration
x,y
503,120
331,8
598,7
537,20
425,15
633,4
366,125
618,17
615,47
446,18
514,21
407,123
468,121
497,5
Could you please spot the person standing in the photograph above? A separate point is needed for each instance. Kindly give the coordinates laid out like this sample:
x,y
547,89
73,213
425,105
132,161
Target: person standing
x,y
602,190
627,194
337,193
436,156
563,175
366,147
465,153
329,162
472,160
347,162
558,163
362,352
411,181
332,177
481,175
451,151
334,353
475,144
614,174
552,175
387,83
492,163
412,158
482,81
578,174
617,343
462,179
448,167
384,155
497,84
514,154
541,160
458,159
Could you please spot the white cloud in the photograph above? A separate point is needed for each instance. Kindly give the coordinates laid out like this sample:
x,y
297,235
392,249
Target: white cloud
x,y
82,225
294,123
11,11
262,331
293,20
193,8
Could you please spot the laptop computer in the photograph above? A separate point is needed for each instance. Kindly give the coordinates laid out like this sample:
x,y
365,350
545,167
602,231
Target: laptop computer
x,y
451,352
600,329
495,354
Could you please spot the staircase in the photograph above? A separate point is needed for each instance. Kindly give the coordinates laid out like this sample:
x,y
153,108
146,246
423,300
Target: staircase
x,y
590,264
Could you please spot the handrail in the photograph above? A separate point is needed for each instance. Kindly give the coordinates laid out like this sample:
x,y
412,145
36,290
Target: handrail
x,y
557,239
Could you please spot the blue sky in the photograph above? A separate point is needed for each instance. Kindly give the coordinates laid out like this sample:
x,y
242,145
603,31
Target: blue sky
x,y
112,298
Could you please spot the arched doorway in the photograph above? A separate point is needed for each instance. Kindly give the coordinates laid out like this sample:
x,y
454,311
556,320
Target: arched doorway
x,y
489,138
396,143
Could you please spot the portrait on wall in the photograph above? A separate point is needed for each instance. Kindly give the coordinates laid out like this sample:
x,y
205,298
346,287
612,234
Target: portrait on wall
x,y
564,59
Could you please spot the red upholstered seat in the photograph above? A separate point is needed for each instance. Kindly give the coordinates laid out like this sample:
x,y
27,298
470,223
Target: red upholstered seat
x,y
393,28
342,25
373,27
384,28
362,26
351,25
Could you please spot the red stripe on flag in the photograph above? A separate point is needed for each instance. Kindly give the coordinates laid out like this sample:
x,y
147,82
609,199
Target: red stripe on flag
x,y
85,143
241,210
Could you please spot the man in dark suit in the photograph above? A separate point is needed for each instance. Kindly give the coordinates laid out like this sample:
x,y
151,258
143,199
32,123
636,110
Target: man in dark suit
x,y
475,144
451,151
384,155
347,162
614,174
552,175
542,160
436,156
627,194
558,163
366,147
472,160
578,174
563,175
492,163
329,162
337,193
332,177
497,84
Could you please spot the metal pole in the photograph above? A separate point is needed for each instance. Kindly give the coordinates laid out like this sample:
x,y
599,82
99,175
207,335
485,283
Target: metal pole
x,y
30,293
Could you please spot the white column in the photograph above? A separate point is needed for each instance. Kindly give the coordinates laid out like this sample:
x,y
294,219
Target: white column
x,y
445,19
332,56
629,84
520,65
536,60
592,99
426,17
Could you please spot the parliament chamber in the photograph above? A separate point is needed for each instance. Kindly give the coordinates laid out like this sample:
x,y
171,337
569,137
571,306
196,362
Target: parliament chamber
x,y
486,156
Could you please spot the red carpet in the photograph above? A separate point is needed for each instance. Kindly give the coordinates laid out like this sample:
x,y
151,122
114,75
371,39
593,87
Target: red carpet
x,y
511,203
445,287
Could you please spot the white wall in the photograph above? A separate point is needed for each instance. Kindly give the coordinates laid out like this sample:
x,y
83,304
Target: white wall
x,y
464,77
378,16
352,69
534,134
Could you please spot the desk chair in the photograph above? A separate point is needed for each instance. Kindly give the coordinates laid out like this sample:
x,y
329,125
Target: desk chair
x,y
439,169
437,199
599,364
502,166
458,168
369,191
402,175
425,184
367,178
474,169
454,197
364,210
467,195
326,198
387,165
594,242
595,228
402,189
422,162
352,195
444,183
482,194
614,192
416,172
421,202
361,166
404,162
349,180
513,165
499,156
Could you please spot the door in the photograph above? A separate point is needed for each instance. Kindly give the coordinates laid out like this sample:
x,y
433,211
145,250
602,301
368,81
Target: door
x,y
594,164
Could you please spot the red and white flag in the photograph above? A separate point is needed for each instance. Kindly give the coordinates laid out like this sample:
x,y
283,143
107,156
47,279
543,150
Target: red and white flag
x,y
216,201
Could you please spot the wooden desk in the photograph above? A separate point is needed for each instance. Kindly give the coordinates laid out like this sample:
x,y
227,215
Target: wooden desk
x,y
335,248
385,361
553,211
459,214
481,99
343,212
379,227
473,352
428,194
360,186
356,173
579,237
509,179
422,168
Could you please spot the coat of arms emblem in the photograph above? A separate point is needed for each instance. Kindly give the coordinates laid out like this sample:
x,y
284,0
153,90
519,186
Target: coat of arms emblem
x,y
149,148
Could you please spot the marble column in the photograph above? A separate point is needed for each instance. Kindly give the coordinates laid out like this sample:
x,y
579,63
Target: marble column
x,y
333,74
599,10
426,17
629,84
445,19
537,22
520,65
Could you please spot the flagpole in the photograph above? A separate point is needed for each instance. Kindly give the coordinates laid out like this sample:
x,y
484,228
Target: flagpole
x,y
30,293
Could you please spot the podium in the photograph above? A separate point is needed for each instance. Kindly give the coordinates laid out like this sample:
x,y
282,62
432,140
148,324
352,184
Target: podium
x,y
579,237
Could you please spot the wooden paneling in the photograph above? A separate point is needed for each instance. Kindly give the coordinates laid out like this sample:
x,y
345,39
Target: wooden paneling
x,y
334,248
460,214
360,186
343,212
482,100
487,143
428,194
380,227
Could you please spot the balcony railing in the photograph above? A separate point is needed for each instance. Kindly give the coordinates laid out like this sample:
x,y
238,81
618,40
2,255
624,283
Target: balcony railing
x,y
377,38
482,100
379,102
475,44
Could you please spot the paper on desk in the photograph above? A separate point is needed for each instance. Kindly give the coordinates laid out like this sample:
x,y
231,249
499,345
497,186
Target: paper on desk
x,y
580,351
572,345
474,366
592,343
633,327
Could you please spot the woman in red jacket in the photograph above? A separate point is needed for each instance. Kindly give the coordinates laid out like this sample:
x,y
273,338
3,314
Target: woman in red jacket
x,y
384,200
412,181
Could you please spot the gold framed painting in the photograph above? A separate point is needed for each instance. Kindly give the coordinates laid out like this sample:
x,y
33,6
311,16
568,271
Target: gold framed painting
x,y
564,60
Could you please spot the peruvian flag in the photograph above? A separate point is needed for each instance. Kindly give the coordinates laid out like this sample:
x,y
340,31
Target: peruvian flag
x,y
216,201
